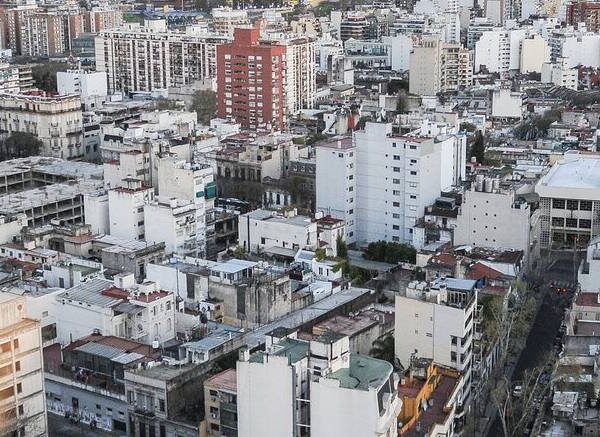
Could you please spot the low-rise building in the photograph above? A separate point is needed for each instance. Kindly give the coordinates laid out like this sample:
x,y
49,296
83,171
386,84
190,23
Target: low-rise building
x,y
84,380
140,312
263,230
165,399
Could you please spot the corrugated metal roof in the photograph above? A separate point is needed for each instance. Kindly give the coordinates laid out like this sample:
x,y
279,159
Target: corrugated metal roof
x,y
127,357
101,350
89,293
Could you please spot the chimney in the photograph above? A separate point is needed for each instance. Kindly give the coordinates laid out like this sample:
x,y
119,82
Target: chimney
x,y
244,353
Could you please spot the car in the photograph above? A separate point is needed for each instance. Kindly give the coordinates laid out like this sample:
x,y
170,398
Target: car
x,y
517,391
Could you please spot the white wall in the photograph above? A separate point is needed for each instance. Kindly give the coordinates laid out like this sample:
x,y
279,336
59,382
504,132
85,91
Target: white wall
x,y
96,212
266,398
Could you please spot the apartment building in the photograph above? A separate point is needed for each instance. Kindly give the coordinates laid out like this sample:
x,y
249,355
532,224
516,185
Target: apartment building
x,y
55,120
22,398
32,31
437,320
193,183
126,209
139,312
300,76
88,85
85,379
582,11
560,73
336,167
298,387
220,404
569,205
268,231
251,79
494,218
173,222
589,270
436,66
150,57
225,19
97,19
500,50
397,176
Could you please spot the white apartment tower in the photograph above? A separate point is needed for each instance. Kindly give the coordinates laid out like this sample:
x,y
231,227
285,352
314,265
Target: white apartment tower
x,y
300,74
126,209
22,398
436,321
397,177
316,388
336,182
147,58
195,183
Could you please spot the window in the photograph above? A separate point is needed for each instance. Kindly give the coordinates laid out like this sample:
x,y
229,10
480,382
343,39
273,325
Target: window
x,y
585,205
396,157
585,223
396,227
17,366
558,203
414,173
161,405
572,204
571,223
19,388
5,347
396,169
558,221
396,204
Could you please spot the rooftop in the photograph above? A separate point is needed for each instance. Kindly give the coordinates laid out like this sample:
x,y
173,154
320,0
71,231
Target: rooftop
x,y
51,166
264,215
574,173
226,380
364,372
90,292
26,200
294,350
587,299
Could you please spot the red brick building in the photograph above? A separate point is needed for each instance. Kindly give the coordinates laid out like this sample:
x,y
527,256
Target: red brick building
x,y
584,12
251,81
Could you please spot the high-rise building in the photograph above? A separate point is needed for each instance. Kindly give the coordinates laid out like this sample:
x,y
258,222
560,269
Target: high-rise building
x,y
251,81
149,57
584,12
336,167
22,399
437,321
436,66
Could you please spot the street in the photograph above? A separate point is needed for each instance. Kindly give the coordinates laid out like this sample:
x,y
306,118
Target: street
x,y
545,328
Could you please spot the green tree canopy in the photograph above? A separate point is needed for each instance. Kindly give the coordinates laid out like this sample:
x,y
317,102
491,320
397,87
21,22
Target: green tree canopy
x,y
204,102
390,252
44,75
20,145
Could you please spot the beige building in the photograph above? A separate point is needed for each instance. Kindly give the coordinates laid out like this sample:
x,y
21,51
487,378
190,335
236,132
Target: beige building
x,y
220,403
436,66
535,51
22,399
56,121
147,58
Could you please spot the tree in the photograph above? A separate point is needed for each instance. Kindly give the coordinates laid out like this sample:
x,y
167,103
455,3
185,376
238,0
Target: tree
x,y
44,75
383,349
478,148
167,104
341,247
390,252
402,105
397,85
20,145
515,412
468,127
204,102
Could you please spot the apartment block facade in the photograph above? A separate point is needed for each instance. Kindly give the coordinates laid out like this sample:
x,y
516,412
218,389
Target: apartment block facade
x,y
251,78
22,398
149,57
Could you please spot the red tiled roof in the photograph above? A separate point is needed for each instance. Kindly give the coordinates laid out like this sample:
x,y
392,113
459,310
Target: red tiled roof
x,y
117,293
480,271
151,297
444,259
